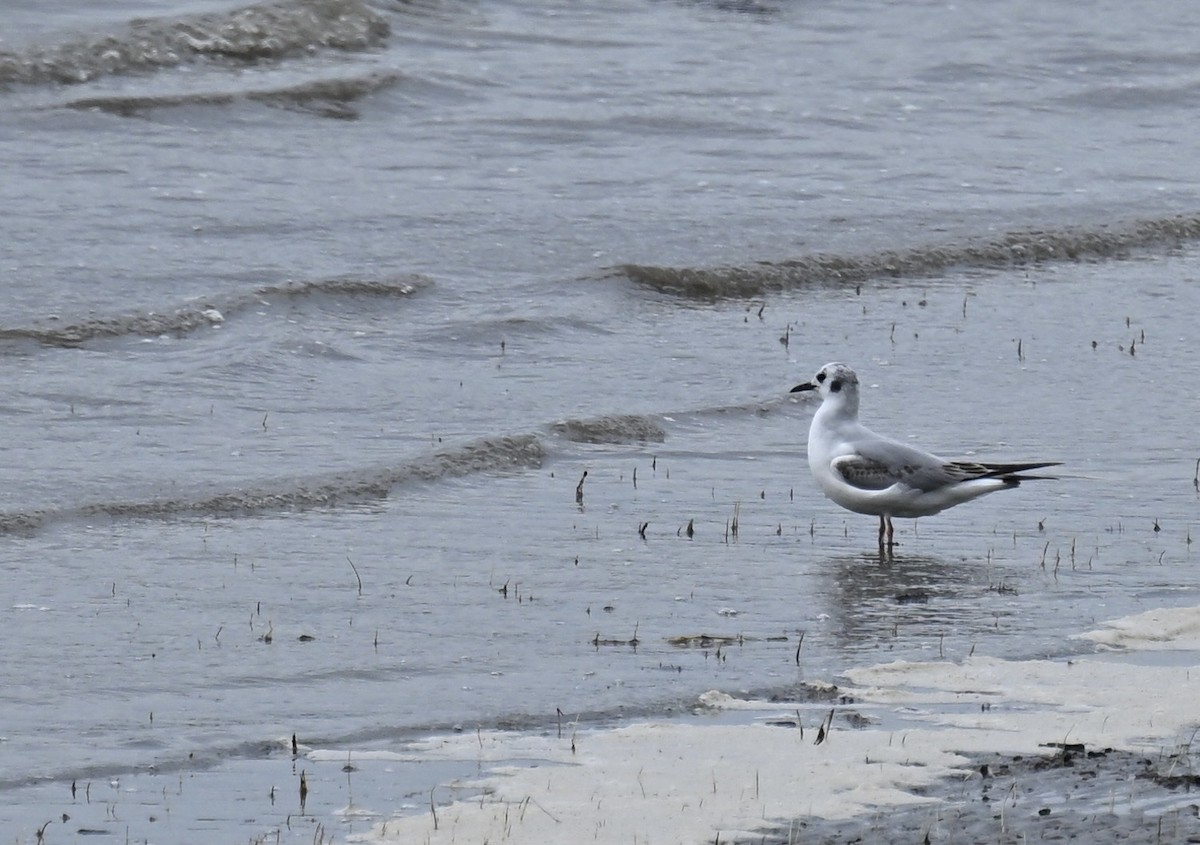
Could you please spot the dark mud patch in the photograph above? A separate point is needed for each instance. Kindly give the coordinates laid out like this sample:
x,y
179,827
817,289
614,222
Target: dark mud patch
x,y
1075,794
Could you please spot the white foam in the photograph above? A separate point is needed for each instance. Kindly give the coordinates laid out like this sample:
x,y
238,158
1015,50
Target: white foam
x,y
691,781
1166,628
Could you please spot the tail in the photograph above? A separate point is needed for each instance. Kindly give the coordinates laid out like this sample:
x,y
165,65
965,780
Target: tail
x,y
1014,474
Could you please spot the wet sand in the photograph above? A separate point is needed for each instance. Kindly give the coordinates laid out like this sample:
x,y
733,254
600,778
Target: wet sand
x,y
1096,748
1094,795
1077,794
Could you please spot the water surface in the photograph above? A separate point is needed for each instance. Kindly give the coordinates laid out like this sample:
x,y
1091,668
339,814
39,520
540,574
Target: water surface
x,y
317,312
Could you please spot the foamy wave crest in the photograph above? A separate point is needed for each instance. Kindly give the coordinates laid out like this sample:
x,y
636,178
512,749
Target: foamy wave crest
x,y
206,312
821,270
496,454
267,31
626,428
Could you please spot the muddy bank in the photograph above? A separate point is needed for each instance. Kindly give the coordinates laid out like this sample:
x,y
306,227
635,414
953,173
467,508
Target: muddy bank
x,y
1076,794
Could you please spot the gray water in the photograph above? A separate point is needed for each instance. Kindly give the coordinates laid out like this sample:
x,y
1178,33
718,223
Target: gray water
x,y
316,313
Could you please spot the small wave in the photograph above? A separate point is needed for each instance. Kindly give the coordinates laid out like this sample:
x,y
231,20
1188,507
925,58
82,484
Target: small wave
x,y
206,312
328,97
344,286
823,270
627,428
261,32
496,454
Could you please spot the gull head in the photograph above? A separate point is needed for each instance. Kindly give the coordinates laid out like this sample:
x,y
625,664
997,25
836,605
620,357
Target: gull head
x,y
837,384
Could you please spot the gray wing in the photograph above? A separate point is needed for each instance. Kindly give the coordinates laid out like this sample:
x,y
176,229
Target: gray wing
x,y
866,473
878,464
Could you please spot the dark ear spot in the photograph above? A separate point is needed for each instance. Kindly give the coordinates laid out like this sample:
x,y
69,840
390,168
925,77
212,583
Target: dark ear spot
x,y
821,377
835,385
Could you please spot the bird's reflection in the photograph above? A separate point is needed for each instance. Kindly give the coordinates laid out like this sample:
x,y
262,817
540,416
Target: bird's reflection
x,y
904,602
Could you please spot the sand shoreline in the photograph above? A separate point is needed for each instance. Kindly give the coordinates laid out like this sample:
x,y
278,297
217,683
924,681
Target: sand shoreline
x,y
1088,795
1099,748
904,746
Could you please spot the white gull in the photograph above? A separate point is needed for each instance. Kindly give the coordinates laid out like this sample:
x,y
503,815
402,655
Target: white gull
x,y
867,473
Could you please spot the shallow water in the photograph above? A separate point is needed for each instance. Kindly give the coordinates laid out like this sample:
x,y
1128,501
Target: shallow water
x,y
366,312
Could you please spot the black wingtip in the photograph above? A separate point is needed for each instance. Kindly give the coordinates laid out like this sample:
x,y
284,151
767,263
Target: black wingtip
x,y
1014,474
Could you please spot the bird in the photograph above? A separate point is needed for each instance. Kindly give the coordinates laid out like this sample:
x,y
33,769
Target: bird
x,y
868,473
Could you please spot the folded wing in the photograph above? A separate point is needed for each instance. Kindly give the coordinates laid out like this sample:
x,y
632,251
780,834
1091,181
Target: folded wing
x,y
883,464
